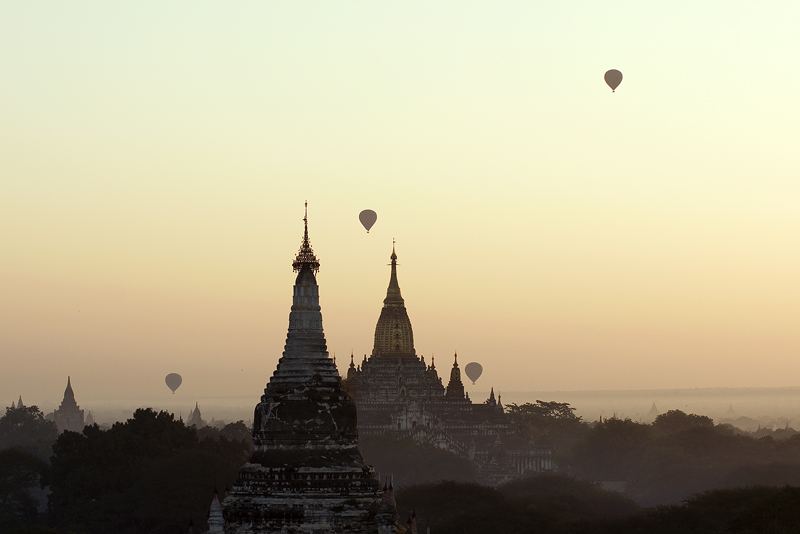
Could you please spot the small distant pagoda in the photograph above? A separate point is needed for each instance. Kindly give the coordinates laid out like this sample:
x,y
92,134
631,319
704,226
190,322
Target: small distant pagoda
x,y
68,416
306,474
195,419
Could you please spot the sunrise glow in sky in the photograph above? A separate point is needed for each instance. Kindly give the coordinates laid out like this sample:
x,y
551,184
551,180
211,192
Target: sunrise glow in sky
x,y
155,158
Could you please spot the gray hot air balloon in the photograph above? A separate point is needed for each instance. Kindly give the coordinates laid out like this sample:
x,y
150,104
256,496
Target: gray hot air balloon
x,y
173,381
613,79
474,371
367,218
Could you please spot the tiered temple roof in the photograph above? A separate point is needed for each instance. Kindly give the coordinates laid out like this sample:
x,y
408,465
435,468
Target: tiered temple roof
x,y
396,392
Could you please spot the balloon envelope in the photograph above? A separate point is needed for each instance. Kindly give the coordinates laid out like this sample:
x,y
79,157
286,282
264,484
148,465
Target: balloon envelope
x,y
173,381
613,79
367,218
474,371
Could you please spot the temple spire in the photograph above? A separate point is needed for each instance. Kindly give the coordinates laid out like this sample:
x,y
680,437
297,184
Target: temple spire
x,y
393,333
393,296
455,388
68,392
305,256
305,354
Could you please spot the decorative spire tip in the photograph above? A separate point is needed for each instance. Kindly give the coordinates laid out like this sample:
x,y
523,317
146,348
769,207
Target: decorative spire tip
x,y
305,256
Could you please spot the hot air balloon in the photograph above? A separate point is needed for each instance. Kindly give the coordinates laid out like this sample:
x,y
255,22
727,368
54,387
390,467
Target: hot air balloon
x,y
367,218
474,371
173,381
613,78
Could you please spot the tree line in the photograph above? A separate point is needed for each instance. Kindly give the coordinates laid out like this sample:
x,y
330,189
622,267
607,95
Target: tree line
x,y
154,474
150,473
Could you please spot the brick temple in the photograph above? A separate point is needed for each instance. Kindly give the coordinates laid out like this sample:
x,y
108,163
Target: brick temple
x,y
306,474
398,393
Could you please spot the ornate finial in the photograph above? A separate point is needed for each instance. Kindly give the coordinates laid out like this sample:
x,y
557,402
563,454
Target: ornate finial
x,y
433,361
455,359
305,256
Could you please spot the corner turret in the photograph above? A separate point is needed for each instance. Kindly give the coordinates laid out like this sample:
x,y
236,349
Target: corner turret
x,y
455,388
351,372
216,521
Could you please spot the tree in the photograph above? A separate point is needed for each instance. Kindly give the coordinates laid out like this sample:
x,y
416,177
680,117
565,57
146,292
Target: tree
x,y
438,502
19,472
414,463
26,429
675,421
571,498
541,503
554,419
610,450
237,431
148,474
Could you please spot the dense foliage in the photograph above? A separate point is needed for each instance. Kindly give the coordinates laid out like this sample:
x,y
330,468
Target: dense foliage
x,y
26,429
152,474
680,455
26,441
553,504
414,463
556,420
20,472
148,474
544,503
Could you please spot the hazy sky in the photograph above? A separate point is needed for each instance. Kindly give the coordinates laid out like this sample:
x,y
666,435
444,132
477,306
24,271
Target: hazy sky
x,y
155,157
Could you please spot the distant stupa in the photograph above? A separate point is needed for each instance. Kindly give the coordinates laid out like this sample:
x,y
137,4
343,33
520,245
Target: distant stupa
x,y
653,413
195,419
69,416
730,414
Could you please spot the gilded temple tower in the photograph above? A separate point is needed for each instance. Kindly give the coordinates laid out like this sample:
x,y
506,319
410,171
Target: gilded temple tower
x,y
393,333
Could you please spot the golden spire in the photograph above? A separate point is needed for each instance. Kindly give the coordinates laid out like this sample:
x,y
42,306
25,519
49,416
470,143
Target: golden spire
x,y
393,295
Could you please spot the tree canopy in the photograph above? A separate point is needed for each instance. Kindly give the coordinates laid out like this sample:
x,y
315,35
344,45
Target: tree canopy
x,y
26,429
414,463
19,472
555,504
554,420
148,474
